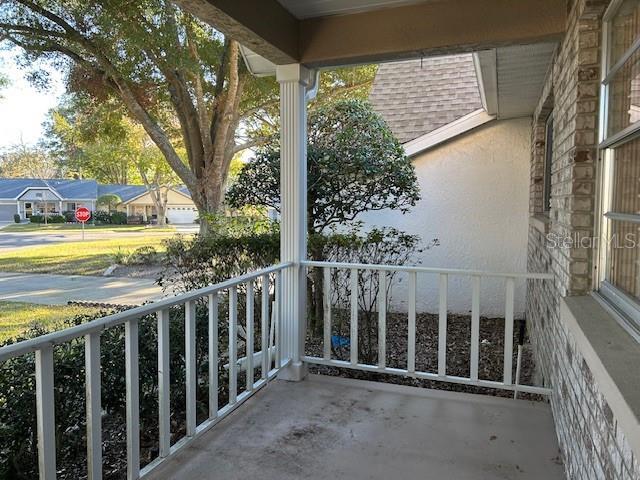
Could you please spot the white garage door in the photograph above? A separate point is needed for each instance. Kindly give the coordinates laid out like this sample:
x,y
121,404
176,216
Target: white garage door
x,y
178,215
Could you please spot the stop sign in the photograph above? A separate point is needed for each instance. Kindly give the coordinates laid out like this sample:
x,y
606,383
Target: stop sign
x,y
83,214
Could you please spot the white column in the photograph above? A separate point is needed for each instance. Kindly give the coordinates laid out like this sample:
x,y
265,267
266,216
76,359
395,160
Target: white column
x,y
294,80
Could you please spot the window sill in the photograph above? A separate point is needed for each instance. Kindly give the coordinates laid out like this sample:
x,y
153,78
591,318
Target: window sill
x,y
540,222
611,354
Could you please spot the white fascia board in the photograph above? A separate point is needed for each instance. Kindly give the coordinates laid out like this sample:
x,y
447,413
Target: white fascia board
x,y
38,188
447,132
486,66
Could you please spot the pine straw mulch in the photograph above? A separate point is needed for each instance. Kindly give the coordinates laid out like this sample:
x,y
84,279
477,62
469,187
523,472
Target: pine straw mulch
x,y
458,353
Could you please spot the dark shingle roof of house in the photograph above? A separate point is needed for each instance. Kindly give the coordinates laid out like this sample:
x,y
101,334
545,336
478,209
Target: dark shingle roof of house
x,y
74,189
70,189
10,188
128,192
416,97
125,192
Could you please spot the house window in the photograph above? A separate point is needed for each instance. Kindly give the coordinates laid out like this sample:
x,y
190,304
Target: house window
x,y
548,156
620,151
71,206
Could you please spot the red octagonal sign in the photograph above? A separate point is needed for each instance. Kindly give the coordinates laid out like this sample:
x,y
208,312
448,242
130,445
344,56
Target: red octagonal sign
x,y
83,214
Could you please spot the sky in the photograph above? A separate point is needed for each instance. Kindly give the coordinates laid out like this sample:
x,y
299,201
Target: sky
x,y
23,108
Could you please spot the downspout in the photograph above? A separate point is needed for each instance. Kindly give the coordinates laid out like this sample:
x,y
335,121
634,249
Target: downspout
x,y
312,90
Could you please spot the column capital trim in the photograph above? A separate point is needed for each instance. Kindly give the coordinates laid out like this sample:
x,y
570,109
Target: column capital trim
x,y
295,73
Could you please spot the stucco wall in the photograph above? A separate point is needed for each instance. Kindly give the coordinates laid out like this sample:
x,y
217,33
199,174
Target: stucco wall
x,y
475,194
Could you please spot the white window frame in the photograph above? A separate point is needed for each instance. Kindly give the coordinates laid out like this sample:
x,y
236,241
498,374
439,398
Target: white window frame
x,y
626,308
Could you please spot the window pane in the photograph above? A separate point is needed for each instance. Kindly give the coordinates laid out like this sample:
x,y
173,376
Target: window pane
x,y
624,95
625,28
626,178
624,268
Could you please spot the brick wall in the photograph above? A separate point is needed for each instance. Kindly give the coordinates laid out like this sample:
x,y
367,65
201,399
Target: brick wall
x,y
593,446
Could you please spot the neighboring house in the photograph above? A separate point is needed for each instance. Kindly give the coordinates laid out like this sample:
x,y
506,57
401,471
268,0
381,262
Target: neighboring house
x,y
435,108
136,200
26,197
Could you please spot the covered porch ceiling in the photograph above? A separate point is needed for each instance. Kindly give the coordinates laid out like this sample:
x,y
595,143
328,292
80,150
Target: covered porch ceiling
x,y
329,33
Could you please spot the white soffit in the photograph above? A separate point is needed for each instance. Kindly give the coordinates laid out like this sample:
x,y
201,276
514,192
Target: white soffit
x,y
511,78
257,64
319,8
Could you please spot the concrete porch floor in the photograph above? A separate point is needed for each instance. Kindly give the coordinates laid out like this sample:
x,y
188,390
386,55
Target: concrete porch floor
x,y
326,427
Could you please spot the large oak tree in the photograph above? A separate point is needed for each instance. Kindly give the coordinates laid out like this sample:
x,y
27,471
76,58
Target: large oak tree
x,y
172,72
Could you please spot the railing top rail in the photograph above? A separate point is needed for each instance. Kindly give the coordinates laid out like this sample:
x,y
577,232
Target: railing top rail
x,y
449,271
61,336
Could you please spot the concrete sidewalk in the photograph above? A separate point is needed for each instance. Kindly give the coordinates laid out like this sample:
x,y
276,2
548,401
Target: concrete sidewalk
x,y
59,289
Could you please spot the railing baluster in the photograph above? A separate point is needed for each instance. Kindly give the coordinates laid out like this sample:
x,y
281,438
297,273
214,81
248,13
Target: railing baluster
x,y
442,325
249,344
382,318
45,413
94,409
164,382
327,312
354,317
233,345
278,323
411,343
264,328
475,326
508,331
133,399
190,365
213,355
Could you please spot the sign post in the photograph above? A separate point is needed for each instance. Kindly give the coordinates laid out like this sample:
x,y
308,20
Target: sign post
x,y
83,215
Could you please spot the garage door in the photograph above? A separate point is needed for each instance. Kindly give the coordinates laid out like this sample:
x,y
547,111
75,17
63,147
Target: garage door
x,y
7,212
178,215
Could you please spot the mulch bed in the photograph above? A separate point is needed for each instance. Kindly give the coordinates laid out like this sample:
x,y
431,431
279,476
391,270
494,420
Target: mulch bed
x,y
458,353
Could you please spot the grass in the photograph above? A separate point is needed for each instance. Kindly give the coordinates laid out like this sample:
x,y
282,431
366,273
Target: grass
x,y
16,317
57,227
90,257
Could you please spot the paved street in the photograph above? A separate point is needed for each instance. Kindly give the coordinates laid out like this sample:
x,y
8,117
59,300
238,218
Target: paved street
x,y
60,289
13,240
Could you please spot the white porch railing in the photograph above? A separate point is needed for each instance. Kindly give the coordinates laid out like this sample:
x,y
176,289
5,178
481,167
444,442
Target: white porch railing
x,y
441,375
43,348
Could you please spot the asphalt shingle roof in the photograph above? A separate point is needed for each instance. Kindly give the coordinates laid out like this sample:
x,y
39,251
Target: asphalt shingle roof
x,y
10,188
70,189
125,192
416,97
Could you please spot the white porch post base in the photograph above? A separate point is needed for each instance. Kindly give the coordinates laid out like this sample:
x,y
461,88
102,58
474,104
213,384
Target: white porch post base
x,y
294,80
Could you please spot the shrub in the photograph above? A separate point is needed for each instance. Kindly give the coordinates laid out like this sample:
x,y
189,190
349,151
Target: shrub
x,y
18,446
56,219
120,256
203,260
142,256
16,218
70,216
238,225
384,246
36,219
118,218
101,217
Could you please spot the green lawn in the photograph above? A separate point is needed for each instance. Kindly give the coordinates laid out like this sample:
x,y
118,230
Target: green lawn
x,y
56,227
90,257
16,317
